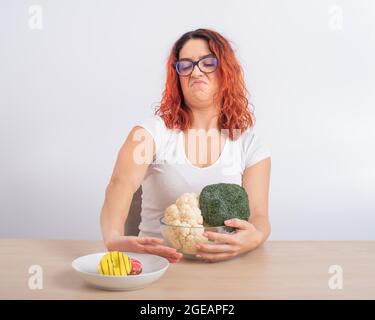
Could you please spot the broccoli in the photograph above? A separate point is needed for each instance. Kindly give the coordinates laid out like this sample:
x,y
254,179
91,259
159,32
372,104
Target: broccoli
x,y
223,201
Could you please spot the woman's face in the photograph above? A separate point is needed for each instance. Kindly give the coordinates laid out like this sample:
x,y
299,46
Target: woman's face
x,y
198,94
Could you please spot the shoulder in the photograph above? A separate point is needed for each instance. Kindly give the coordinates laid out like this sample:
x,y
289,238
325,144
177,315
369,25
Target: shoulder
x,y
247,137
254,147
155,125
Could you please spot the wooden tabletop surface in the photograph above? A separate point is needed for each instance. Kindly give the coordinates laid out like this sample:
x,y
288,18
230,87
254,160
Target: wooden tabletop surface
x,y
276,270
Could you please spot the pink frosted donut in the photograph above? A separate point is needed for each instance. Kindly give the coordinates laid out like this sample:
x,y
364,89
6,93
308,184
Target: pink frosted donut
x,y
136,266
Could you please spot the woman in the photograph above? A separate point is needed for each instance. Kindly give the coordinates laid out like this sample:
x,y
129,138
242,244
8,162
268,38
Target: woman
x,y
204,93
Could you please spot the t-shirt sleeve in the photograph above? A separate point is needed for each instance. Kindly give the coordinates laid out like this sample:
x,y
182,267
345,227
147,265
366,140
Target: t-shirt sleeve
x,y
156,127
254,149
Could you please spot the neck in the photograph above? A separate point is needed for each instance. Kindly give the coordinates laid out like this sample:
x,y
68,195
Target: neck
x,y
205,118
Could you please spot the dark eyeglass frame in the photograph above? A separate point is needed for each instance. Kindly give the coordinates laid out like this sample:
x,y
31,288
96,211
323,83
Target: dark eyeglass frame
x,y
195,63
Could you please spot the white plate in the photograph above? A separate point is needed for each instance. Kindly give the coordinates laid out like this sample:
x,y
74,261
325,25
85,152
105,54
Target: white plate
x,y
153,267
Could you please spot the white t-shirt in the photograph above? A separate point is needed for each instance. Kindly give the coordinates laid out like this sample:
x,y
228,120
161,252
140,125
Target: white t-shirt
x,y
171,174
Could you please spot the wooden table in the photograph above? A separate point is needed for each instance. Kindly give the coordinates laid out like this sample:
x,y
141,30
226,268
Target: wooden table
x,y
276,270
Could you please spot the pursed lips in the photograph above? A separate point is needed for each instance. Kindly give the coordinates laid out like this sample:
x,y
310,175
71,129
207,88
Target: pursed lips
x,y
197,81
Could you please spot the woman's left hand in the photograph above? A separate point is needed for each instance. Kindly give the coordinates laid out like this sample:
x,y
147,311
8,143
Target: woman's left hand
x,y
245,239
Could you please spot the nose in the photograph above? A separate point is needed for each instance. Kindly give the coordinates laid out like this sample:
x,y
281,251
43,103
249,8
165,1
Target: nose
x,y
196,71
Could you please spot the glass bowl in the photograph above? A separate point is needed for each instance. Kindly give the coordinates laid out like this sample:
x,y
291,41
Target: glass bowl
x,y
184,239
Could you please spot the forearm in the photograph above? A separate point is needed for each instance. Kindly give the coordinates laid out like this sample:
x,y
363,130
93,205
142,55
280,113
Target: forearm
x,y
115,210
261,224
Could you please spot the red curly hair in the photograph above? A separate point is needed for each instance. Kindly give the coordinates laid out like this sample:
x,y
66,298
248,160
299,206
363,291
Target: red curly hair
x,y
231,96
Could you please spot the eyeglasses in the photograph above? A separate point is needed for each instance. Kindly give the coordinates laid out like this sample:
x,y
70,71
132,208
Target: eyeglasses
x,y
185,67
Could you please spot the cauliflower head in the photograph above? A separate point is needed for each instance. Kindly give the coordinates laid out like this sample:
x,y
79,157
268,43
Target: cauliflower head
x,y
185,222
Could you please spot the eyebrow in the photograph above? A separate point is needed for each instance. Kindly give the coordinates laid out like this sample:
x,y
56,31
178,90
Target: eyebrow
x,y
205,56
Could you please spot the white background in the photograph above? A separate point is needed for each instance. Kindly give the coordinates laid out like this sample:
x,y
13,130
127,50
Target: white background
x,y
71,91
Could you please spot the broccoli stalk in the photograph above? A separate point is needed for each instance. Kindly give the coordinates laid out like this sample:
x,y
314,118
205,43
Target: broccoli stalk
x,y
223,201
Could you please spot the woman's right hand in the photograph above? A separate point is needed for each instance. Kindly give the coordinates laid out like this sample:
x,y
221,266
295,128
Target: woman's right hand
x,y
143,245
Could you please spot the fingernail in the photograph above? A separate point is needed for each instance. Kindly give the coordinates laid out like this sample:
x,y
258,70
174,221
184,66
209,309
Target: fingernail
x,y
198,256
